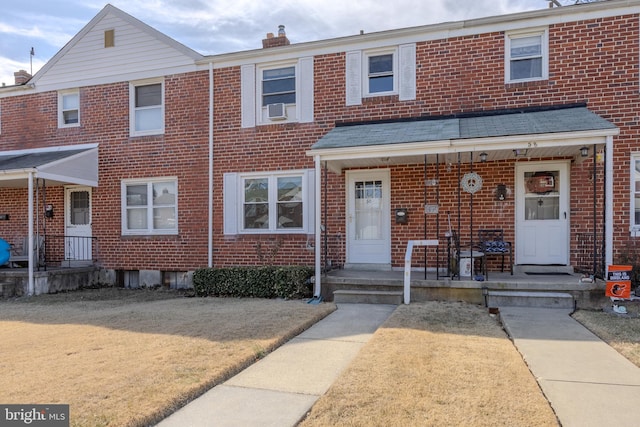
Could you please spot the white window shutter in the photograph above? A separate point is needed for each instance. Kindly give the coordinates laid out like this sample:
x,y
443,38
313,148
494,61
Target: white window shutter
x,y
354,77
230,203
310,175
248,95
407,72
305,89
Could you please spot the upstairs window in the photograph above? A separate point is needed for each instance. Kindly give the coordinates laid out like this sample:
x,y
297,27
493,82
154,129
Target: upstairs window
x,y
380,73
277,93
279,86
147,109
527,57
68,109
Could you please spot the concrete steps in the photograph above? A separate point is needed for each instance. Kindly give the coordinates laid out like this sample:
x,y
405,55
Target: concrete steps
x,y
530,299
367,296
7,290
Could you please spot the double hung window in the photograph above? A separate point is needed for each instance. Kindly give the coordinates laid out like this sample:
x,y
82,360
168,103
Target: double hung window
x,y
380,73
150,206
279,86
635,194
272,202
527,57
147,108
68,109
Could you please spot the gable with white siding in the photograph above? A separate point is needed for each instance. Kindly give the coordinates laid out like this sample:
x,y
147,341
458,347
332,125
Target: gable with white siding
x,y
139,52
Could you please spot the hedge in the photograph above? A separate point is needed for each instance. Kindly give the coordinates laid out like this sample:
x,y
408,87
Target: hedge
x,y
254,282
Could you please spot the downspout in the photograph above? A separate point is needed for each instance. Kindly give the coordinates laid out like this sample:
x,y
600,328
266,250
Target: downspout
x,y
210,198
318,231
608,200
31,285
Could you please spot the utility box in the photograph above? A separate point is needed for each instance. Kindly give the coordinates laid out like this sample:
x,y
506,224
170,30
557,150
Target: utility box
x,y
402,216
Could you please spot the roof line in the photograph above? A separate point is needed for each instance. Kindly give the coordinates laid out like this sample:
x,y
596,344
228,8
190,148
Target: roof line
x,y
467,114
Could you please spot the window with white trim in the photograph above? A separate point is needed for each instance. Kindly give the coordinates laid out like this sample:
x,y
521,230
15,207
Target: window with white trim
x,y
146,108
635,194
381,71
279,86
274,93
526,56
269,202
68,109
150,206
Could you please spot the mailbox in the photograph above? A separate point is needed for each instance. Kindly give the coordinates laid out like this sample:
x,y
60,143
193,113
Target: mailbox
x,y
402,217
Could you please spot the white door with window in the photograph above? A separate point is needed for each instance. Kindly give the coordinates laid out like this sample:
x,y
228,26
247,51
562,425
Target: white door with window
x,y
542,213
77,240
368,217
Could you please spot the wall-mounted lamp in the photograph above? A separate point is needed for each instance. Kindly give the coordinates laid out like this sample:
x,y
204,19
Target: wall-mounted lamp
x,y
48,211
584,151
518,152
483,157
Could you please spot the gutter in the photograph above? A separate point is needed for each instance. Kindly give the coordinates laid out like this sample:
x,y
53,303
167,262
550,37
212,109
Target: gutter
x,y
210,198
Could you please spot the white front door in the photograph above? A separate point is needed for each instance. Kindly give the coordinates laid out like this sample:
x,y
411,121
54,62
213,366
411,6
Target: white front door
x,y
368,217
77,242
542,213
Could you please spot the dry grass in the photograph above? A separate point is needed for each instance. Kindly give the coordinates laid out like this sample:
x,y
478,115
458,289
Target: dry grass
x,y
126,358
620,332
435,364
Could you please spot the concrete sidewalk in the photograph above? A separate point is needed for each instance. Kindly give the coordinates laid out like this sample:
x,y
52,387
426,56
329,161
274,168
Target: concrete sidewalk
x,y
586,381
281,388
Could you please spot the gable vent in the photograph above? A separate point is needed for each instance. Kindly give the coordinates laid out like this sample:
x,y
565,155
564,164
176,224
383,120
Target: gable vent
x,y
276,111
109,38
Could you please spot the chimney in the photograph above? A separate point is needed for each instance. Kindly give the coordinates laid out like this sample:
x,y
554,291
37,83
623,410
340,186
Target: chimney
x,y
21,77
280,40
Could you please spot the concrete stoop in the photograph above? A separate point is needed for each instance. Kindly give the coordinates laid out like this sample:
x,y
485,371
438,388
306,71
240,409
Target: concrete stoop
x,y
530,299
7,290
367,297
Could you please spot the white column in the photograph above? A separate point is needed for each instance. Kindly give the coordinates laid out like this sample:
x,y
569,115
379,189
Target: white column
x,y
609,201
31,284
318,230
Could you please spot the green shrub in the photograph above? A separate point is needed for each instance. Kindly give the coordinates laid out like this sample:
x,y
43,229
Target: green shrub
x,y
254,282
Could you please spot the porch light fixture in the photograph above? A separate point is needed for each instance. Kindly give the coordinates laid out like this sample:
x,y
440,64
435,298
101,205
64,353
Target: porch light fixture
x,y
584,151
520,152
483,157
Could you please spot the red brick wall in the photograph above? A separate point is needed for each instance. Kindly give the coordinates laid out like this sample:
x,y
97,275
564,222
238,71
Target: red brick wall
x,y
592,61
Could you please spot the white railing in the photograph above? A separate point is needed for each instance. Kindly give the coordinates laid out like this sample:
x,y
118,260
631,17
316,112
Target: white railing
x,y
407,264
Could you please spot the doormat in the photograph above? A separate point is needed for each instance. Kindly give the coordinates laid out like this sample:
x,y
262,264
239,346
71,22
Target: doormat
x,y
546,273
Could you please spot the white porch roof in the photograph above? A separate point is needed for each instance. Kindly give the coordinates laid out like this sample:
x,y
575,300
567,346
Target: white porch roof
x,y
58,166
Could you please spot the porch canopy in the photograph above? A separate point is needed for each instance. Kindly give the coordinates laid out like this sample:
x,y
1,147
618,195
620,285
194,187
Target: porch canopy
x,y
550,132
539,132
58,166
65,165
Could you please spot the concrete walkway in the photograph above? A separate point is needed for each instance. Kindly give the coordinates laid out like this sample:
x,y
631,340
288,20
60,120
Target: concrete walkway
x,y
281,388
586,381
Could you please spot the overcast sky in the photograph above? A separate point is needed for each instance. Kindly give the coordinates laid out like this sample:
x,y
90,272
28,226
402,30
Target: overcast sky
x,y
219,26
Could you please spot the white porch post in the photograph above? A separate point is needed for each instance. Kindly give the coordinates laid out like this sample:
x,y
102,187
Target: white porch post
x,y
318,228
31,285
608,201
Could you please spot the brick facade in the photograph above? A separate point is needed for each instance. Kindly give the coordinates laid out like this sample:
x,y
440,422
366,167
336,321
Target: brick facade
x,y
591,61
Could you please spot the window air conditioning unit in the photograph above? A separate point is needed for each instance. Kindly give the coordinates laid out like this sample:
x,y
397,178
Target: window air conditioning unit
x,y
276,111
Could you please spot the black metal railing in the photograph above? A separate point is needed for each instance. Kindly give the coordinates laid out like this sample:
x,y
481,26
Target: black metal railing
x,y
589,254
70,251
